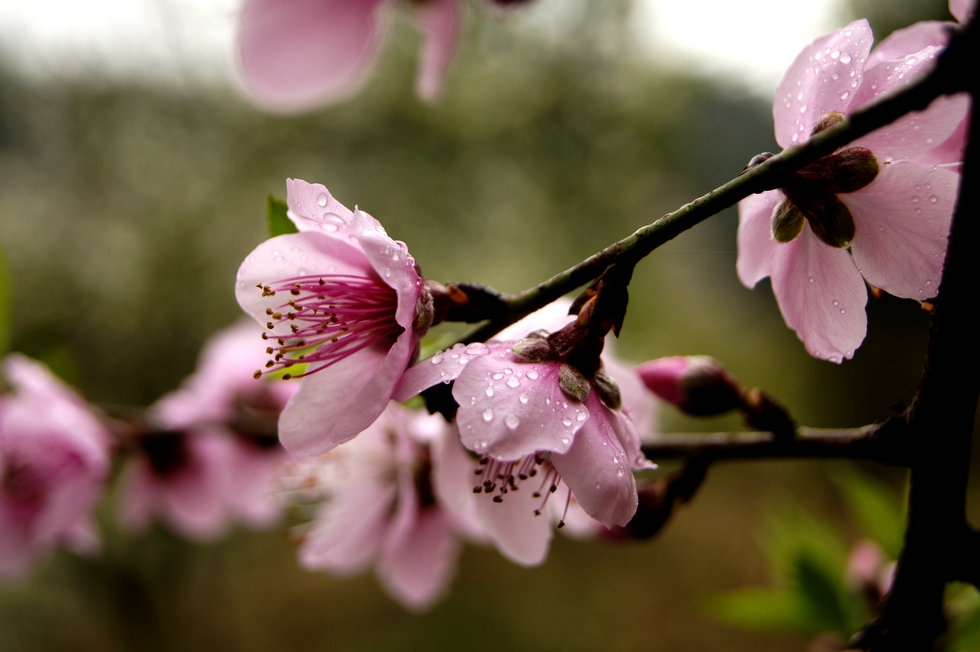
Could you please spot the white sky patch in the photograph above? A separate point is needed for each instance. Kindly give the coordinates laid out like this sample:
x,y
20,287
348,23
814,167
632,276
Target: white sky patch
x,y
753,41
143,38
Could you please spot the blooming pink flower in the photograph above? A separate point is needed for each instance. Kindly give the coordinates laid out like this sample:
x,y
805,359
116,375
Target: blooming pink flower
x,y
54,457
346,301
517,414
297,54
213,457
183,479
871,211
381,510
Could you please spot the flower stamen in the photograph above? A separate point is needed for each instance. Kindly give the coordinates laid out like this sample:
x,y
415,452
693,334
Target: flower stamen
x,y
328,318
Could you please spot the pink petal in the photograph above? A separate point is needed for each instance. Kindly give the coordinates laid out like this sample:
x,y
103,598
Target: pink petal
x,y
335,404
963,10
349,529
512,525
286,256
819,81
440,22
416,567
598,471
821,295
902,224
296,54
638,404
395,267
903,42
756,246
510,408
443,367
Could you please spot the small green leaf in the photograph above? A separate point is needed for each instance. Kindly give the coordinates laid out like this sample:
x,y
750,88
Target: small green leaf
x,y
876,506
820,593
761,609
279,222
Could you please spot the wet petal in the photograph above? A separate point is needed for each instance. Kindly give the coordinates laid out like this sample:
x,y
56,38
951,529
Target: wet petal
x,y
599,472
442,367
312,207
509,409
904,221
821,296
518,532
756,246
396,268
296,54
903,42
821,79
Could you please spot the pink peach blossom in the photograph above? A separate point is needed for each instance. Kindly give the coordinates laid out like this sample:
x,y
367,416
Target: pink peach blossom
x,y
54,458
212,457
342,303
890,211
295,55
381,510
516,413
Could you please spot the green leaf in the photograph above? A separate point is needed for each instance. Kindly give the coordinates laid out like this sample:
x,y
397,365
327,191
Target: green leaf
x,y
763,609
5,303
876,506
821,596
279,222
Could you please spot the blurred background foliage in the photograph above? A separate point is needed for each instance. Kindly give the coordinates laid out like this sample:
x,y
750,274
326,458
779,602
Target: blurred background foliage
x,y
127,207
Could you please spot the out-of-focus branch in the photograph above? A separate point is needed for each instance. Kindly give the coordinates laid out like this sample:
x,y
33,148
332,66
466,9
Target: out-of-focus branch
x,y
886,442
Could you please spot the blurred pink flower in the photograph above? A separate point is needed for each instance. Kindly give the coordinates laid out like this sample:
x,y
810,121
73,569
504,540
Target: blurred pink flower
x,y
381,509
297,54
872,211
212,456
54,457
182,478
517,414
344,303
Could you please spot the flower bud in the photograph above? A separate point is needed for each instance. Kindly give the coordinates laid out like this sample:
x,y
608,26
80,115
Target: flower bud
x,y
697,385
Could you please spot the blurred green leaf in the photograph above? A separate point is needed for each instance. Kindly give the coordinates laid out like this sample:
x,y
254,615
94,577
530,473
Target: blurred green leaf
x,y
279,223
5,303
964,609
760,608
876,507
821,594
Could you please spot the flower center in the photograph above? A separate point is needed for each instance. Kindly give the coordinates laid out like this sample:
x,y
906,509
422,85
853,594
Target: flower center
x,y
328,317
498,478
812,193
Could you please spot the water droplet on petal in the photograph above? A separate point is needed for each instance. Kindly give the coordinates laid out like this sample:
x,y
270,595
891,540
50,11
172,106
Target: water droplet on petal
x,y
511,421
532,374
565,421
582,416
321,200
497,376
524,398
836,302
845,58
489,392
437,358
477,348
488,415
513,382
933,199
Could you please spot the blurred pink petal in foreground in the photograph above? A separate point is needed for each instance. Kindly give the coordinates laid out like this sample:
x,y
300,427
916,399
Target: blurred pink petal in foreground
x,y
295,55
